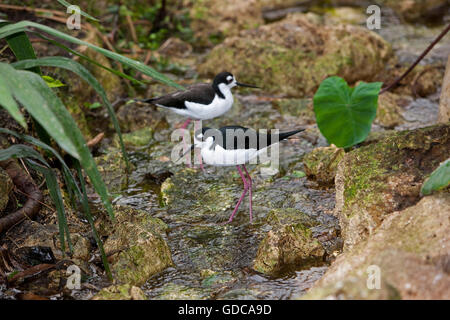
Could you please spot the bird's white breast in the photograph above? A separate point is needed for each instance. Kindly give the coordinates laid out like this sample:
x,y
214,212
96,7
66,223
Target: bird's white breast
x,y
216,108
222,157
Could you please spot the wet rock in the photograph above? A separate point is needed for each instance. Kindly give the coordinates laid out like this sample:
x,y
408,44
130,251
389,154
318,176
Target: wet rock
x,y
410,248
36,255
292,56
120,292
112,168
376,180
289,244
174,291
321,164
213,20
6,186
137,246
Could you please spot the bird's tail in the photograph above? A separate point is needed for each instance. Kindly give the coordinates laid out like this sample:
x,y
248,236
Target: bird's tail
x,y
285,135
149,100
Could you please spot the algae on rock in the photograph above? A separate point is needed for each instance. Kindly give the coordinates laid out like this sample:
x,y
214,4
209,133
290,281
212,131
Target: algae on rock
x,y
376,180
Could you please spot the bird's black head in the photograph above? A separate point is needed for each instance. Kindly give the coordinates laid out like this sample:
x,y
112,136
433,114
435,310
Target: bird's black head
x,y
229,80
224,77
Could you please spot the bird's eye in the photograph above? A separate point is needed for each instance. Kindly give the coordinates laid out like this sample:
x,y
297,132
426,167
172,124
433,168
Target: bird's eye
x,y
229,79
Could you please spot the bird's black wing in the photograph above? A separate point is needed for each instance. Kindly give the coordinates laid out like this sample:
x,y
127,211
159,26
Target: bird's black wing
x,y
237,137
202,93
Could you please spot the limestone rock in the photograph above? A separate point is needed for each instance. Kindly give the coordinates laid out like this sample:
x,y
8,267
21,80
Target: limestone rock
x,y
411,250
292,56
376,180
289,243
139,248
321,164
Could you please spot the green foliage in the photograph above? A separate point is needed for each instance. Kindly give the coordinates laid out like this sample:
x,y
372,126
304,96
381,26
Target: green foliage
x,y
10,29
438,180
53,83
344,115
84,14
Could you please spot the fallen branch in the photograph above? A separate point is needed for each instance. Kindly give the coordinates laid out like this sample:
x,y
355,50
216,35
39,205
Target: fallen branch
x,y
398,79
26,184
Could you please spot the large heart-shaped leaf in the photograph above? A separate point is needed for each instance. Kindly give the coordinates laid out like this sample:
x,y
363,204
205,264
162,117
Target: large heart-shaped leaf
x,y
345,115
439,179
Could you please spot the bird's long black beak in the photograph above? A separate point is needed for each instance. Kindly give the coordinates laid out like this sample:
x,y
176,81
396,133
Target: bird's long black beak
x,y
246,85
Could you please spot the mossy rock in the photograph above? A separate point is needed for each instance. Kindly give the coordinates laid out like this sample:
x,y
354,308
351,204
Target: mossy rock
x,y
112,168
406,249
139,246
213,20
288,62
376,180
139,138
321,164
289,244
120,292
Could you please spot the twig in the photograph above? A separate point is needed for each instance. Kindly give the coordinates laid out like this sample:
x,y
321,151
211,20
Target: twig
x,y
29,9
131,26
397,81
96,140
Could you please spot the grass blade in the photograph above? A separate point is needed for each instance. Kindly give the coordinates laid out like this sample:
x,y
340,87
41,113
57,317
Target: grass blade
x,y
82,72
8,102
88,214
36,105
10,29
71,130
55,195
84,14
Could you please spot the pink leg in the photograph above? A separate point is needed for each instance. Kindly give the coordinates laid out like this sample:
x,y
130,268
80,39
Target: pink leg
x,y
242,196
185,124
250,193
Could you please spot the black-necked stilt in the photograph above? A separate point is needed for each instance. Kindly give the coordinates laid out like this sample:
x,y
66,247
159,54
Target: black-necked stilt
x,y
235,145
201,101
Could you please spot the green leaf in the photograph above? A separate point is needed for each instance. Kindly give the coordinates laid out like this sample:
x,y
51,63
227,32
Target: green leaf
x,y
8,102
36,105
70,179
344,115
87,212
72,131
10,29
21,151
21,47
94,105
55,195
67,5
82,72
53,83
438,180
